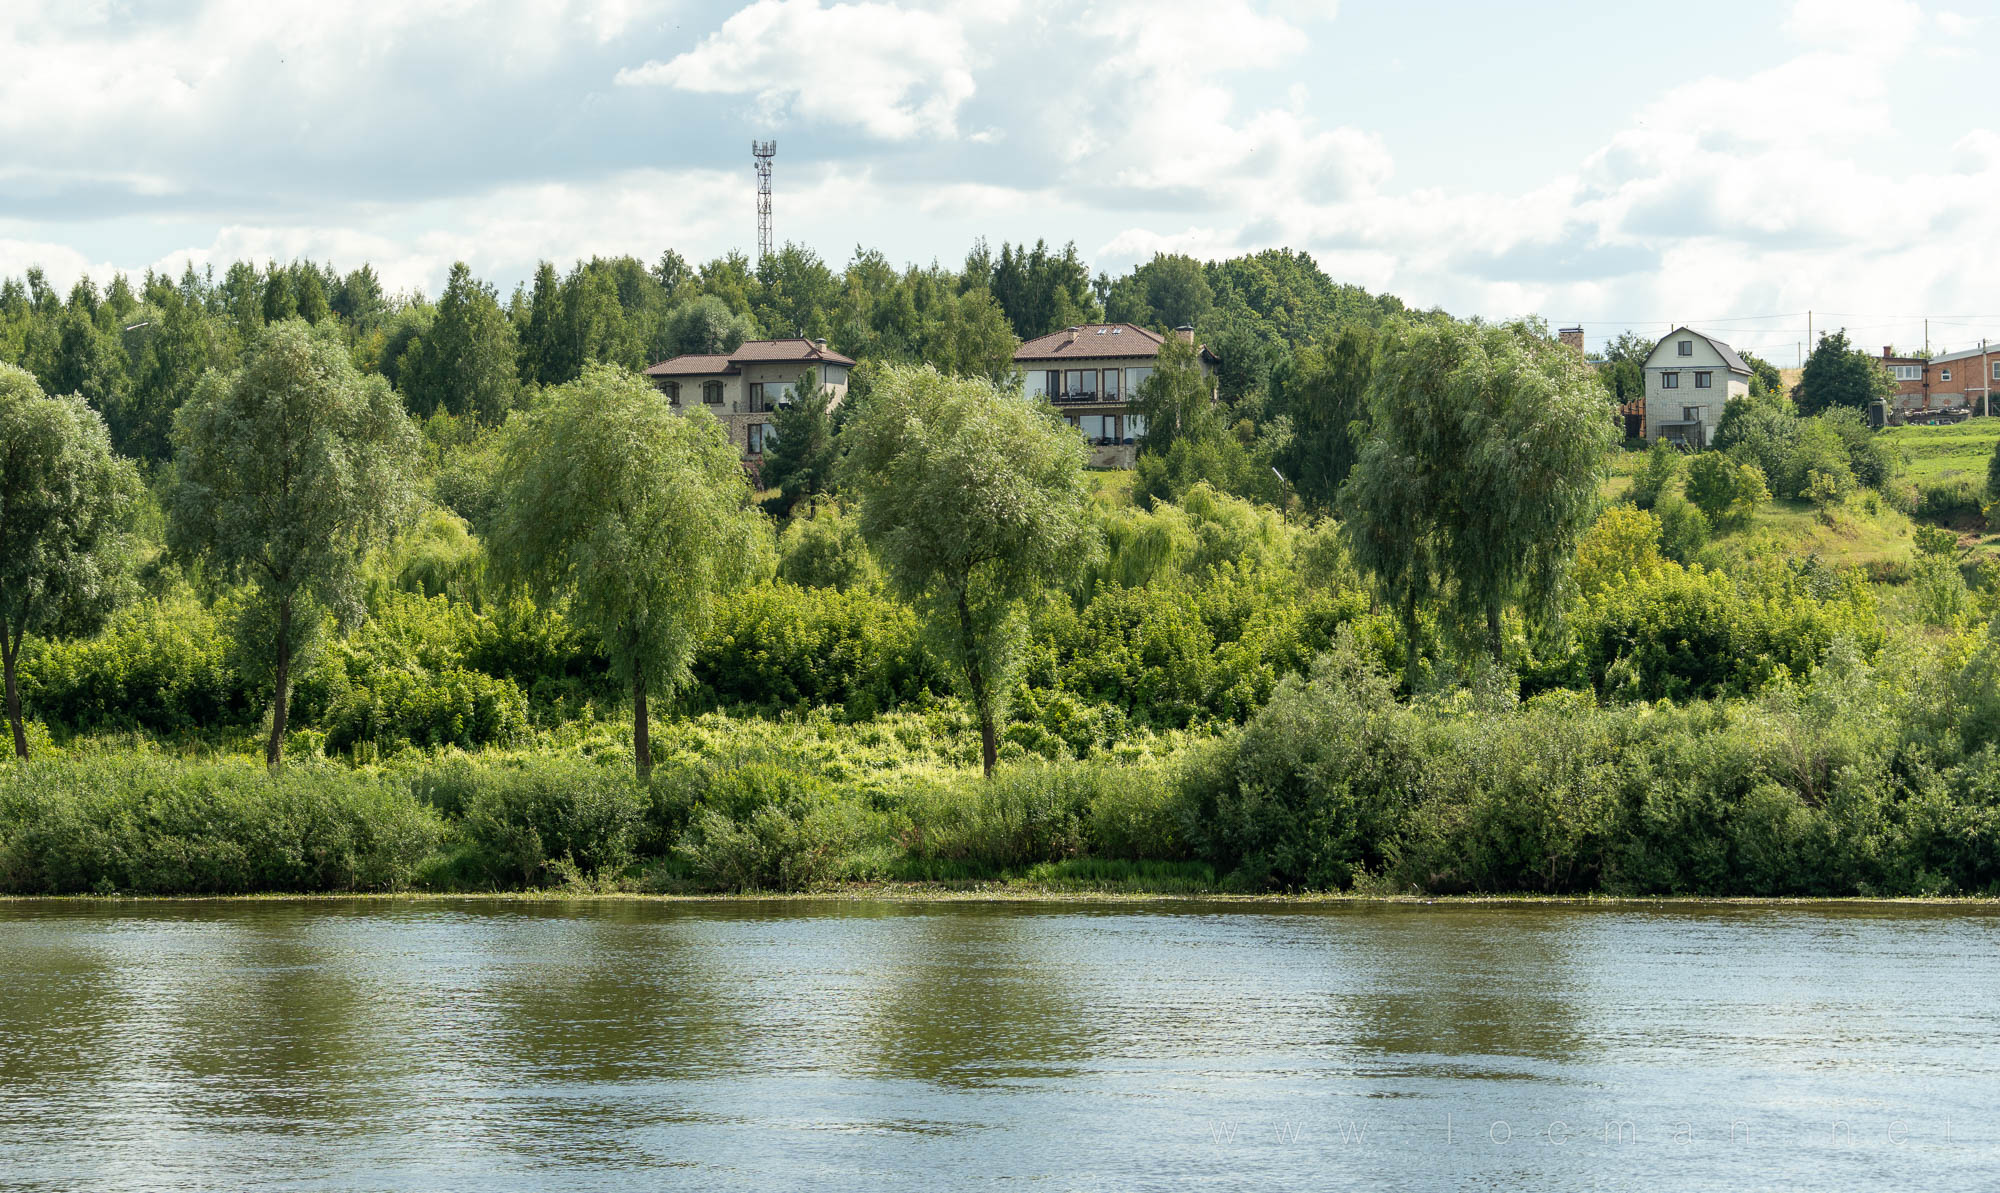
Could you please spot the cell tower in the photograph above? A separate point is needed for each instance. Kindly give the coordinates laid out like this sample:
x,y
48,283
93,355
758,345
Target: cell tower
x,y
763,152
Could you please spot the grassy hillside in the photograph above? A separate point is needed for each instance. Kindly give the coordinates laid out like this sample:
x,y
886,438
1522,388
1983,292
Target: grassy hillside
x,y
1940,453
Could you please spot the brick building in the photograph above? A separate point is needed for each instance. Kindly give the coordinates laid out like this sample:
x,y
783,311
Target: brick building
x,y
1950,381
1689,378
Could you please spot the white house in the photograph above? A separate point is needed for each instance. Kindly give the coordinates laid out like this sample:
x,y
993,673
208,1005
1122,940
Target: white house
x,y
1689,377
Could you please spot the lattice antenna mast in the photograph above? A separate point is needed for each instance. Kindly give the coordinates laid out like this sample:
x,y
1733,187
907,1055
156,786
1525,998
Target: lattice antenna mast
x,y
763,152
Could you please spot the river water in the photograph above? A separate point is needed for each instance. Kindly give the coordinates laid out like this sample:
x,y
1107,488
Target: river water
x,y
490,1045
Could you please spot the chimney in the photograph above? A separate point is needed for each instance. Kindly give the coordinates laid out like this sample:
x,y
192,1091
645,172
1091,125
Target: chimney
x,y
1572,337
1888,350
820,344
1070,336
1186,333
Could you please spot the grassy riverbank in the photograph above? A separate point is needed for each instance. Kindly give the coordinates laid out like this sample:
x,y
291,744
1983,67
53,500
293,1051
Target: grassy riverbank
x,y
1869,777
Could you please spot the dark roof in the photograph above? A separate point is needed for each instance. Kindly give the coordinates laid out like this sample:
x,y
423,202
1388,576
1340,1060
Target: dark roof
x,y
750,352
1096,341
1723,350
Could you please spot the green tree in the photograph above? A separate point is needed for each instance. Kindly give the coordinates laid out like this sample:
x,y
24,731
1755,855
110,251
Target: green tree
x,y
704,325
288,471
1726,491
546,358
1764,376
1177,399
800,463
633,518
464,364
86,361
1662,468
185,346
280,302
1838,375
973,501
65,504
1325,393
1481,474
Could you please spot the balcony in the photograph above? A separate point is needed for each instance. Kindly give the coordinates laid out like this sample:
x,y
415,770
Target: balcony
x,y
1081,396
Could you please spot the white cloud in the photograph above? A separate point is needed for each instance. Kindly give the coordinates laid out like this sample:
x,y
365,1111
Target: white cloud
x,y
892,72
1883,26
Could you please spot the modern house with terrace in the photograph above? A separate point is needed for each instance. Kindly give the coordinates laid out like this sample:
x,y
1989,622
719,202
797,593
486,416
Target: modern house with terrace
x,y
745,388
1689,378
1091,373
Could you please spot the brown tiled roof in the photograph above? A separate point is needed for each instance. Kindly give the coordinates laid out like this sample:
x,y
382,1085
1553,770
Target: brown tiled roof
x,y
804,351
801,350
1093,340
693,364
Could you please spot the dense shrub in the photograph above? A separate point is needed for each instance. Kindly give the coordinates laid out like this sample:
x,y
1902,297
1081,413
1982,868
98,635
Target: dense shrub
x,y
549,818
1657,475
1950,501
1726,491
781,645
452,707
1689,633
1838,787
143,824
161,666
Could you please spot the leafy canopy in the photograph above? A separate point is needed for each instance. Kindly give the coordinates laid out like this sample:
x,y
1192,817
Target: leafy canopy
x,y
633,517
65,504
973,500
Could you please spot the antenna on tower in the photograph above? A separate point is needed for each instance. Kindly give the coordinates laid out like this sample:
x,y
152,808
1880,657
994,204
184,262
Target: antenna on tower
x,y
763,152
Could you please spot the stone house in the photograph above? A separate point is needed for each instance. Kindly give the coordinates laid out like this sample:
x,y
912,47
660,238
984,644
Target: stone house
x,y
744,388
1689,378
1091,374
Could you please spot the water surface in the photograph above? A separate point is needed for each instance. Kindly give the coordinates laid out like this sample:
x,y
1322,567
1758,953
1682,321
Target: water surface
x,y
368,1045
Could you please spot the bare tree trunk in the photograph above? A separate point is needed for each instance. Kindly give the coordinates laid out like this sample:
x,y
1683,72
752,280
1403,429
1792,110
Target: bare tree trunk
x,y
281,698
982,695
10,646
642,734
1493,640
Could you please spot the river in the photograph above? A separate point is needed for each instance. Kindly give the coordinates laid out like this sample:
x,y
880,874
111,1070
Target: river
x,y
597,1045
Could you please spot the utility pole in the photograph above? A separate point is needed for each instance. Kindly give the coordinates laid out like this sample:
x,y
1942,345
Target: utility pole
x,y
1927,337
1809,338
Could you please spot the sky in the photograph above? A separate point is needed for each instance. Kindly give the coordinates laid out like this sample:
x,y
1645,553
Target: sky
x,y
1722,163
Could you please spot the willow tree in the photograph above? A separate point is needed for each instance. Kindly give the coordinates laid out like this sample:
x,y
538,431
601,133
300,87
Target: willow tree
x,y
287,472
974,501
1480,475
65,504
633,518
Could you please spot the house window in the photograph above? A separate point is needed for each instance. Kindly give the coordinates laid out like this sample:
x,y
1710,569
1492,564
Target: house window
x,y
1703,380
1944,374
1691,414
1996,370
1054,384
760,435
1136,377
1080,383
673,391
1670,380
1687,347
1111,385
757,405
711,393
1907,372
